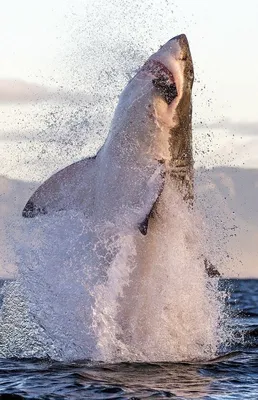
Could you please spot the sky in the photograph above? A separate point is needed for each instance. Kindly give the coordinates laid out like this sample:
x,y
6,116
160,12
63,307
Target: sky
x,y
64,63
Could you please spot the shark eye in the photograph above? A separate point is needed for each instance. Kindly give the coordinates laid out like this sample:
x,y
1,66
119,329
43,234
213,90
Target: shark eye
x,y
165,88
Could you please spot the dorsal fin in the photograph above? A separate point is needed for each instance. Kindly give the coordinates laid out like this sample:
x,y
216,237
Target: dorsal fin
x,y
72,188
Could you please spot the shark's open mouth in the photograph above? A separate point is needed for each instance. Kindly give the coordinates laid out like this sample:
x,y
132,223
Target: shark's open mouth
x,y
159,70
164,80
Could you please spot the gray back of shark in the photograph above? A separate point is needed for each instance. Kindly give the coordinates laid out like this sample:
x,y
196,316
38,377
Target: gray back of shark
x,y
149,145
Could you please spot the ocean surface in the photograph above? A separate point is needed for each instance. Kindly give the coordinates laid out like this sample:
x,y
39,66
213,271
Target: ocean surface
x,y
232,375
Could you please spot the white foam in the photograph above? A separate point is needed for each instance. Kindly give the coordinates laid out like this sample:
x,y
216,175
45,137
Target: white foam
x,y
158,303
86,291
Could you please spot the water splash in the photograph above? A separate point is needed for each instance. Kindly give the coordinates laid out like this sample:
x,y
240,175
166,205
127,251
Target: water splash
x,y
85,291
158,303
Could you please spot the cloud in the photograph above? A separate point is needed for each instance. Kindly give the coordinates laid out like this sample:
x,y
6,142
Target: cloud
x,y
19,91
237,128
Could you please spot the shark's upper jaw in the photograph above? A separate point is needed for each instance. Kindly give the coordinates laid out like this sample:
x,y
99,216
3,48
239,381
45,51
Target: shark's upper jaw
x,y
175,56
171,69
185,56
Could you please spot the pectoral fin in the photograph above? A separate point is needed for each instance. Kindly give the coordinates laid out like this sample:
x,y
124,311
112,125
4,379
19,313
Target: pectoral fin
x,y
70,188
156,185
143,226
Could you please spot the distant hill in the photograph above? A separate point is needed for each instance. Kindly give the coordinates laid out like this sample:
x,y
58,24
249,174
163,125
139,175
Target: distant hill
x,y
238,185
13,195
228,197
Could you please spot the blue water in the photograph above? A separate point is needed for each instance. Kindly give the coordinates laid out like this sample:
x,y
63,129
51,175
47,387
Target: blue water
x,y
233,375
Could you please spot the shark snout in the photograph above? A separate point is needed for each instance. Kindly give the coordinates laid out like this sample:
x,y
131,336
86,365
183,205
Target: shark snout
x,y
179,47
176,50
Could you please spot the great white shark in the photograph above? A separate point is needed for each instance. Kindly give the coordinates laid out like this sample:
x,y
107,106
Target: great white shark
x,y
149,146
